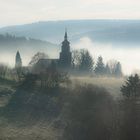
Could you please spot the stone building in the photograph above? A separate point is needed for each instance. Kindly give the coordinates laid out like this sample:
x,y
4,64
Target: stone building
x,y
64,61
65,54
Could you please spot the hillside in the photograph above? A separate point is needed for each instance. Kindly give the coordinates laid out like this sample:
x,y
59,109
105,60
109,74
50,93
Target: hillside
x,y
13,41
56,113
9,44
107,31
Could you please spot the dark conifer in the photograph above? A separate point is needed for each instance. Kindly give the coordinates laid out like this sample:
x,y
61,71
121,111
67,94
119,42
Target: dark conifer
x,y
86,61
100,67
18,60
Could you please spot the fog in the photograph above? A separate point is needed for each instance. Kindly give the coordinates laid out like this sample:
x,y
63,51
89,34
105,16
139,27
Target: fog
x,y
128,56
26,54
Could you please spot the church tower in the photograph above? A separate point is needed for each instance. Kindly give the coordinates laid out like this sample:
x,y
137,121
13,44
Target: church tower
x,y
18,61
65,54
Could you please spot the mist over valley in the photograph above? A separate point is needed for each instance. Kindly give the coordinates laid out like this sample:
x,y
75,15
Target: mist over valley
x,y
113,39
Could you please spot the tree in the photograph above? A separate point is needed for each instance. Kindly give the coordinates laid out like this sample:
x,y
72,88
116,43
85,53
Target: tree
x,y
51,79
107,70
18,60
131,93
76,55
37,57
18,66
89,114
82,60
131,87
86,61
118,70
3,70
100,67
112,65
115,68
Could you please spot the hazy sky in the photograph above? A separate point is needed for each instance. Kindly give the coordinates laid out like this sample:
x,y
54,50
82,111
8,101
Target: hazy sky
x,y
26,11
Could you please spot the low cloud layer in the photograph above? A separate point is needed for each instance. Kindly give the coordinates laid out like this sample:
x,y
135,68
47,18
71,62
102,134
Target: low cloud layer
x,y
26,54
129,57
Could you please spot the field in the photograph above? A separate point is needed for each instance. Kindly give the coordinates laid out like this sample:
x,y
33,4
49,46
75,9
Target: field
x,y
42,129
111,84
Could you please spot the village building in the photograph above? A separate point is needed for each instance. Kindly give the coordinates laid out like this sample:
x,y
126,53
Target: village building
x,y
65,57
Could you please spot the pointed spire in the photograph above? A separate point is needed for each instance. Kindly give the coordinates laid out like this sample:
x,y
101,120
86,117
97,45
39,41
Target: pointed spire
x,y
18,60
66,36
18,54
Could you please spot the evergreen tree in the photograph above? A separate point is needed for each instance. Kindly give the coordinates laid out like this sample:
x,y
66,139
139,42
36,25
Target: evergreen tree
x,y
86,61
130,104
107,70
118,70
18,60
100,68
131,87
18,66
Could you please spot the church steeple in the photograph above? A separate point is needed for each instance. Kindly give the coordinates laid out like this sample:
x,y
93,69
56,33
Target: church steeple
x,y
65,43
65,54
66,36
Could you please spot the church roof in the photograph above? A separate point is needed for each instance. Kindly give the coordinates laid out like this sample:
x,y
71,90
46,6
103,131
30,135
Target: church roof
x,y
47,62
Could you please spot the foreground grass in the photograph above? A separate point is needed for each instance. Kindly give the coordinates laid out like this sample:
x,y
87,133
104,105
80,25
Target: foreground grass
x,y
7,88
33,109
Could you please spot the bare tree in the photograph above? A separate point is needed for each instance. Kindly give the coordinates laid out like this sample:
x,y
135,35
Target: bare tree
x,y
37,57
76,59
82,60
51,78
3,70
115,68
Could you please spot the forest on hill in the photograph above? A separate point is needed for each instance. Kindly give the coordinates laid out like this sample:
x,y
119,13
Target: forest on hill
x,y
12,40
105,31
10,44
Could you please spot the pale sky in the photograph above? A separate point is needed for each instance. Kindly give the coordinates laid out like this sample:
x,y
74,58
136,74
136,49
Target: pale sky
x,y
28,11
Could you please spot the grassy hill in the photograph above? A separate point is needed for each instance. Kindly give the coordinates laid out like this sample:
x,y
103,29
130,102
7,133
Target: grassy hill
x,y
78,111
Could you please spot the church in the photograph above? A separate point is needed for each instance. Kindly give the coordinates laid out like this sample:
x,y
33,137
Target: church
x,y
65,57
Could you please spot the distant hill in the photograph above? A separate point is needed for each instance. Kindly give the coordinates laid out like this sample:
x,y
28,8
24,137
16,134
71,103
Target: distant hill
x,y
108,31
13,41
109,38
9,44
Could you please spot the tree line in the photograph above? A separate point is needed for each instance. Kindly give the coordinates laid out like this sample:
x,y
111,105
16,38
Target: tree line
x,y
9,39
89,112
82,61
